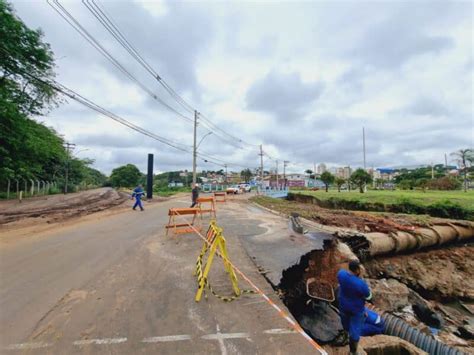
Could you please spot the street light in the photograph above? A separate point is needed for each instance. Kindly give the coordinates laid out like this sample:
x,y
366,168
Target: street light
x,y
82,150
208,134
195,153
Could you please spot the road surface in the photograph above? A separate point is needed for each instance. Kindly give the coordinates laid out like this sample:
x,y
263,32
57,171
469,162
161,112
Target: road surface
x,y
114,283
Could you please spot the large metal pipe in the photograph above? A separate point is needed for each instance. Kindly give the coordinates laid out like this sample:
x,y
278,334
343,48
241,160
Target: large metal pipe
x,y
377,243
397,327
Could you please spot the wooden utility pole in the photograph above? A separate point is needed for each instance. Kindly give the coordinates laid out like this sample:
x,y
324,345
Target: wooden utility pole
x,y
69,146
285,163
194,147
363,144
261,165
277,172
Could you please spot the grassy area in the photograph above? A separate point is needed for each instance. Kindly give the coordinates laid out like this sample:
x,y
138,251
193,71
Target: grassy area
x,y
449,204
170,191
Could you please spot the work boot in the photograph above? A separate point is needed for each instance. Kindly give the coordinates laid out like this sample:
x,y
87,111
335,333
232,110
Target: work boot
x,y
353,347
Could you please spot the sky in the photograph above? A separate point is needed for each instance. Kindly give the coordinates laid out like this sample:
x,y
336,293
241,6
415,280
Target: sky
x,y
300,78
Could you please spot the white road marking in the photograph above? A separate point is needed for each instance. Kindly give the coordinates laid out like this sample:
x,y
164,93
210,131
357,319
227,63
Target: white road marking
x,y
219,340
278,331
100,341
166,338
26,346
225,336
220,337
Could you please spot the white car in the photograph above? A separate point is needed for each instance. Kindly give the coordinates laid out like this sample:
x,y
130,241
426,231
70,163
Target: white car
x,y
245,187
234,189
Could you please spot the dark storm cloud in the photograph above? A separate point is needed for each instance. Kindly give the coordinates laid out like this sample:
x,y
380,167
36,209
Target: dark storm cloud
x,y
285,96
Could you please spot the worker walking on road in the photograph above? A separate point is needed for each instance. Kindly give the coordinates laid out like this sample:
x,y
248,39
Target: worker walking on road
x,y
353,292
195,195
138,194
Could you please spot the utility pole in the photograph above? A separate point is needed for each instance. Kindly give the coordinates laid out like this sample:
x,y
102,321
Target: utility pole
x,y
68,150
432,171
261,166
225,165
285,163
277,172
194,146
446,163
363,143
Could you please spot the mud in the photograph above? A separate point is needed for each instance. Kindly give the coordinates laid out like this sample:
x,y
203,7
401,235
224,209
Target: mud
x,y
54,208
435,280
354,220
443,275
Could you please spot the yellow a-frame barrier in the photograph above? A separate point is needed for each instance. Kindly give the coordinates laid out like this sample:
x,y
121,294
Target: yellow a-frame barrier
x,y
216,241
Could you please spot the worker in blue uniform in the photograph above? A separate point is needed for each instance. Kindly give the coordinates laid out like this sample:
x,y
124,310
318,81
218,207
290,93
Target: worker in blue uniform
x,y
353,293
138,194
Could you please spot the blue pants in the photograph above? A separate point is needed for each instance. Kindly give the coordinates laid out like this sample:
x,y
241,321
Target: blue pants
x,y
353,323
138,202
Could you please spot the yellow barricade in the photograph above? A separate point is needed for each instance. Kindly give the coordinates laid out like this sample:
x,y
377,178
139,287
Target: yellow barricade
x,y
215,241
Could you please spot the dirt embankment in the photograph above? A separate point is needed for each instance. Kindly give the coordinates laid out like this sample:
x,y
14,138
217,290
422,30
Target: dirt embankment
x,y
355,220
54,208
443,274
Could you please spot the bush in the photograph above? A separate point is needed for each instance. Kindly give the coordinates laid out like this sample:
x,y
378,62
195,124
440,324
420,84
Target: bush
x,y
444,183
448,209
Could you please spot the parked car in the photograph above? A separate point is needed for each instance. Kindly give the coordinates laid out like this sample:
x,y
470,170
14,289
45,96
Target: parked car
x,y
234,189
245,187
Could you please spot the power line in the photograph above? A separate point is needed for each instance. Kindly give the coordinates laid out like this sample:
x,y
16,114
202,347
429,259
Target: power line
x,y
72,21
88,103
105,19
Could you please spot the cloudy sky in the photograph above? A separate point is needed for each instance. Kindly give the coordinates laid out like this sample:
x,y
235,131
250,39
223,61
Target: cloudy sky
x,y
301,78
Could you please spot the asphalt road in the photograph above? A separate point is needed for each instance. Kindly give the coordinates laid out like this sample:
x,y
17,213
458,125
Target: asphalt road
x,y
116,284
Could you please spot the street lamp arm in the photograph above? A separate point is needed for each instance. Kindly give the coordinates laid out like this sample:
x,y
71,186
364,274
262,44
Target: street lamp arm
x,y
203,139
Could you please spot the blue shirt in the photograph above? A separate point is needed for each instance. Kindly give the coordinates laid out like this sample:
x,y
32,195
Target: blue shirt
x,y
353,291
137,193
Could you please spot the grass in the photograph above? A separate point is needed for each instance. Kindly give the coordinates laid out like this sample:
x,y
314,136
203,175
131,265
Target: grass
x,y
170,191
448,204
465,199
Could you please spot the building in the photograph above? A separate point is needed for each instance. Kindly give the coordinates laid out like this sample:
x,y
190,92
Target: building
x,y
321,168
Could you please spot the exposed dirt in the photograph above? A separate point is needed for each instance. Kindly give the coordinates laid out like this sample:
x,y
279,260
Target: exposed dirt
x,y
436,274
54,208
356,220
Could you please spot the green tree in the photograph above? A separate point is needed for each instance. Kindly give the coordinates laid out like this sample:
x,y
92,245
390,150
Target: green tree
x,y
125,176
339,182
310,173
246,174
327,178
464,158
361,178
422,183
28,149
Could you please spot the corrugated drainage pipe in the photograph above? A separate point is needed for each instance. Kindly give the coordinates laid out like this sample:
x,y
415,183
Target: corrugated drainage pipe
x,y
397,327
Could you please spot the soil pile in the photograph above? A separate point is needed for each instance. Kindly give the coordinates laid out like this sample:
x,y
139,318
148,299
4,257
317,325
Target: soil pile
x,y
53,208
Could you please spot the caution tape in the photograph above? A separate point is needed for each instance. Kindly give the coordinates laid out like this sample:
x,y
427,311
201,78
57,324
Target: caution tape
x,y
282,314
204,281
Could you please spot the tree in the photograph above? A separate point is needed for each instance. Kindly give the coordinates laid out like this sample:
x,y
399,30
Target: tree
x,y
339,182
125,176
327,178
246,174
464,158
28,149
422,183
310,173
361,178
